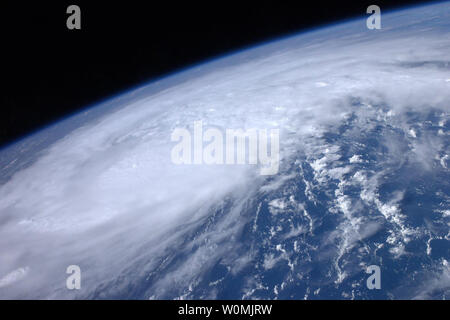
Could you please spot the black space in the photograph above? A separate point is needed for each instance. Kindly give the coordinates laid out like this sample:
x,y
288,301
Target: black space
x,y
49,71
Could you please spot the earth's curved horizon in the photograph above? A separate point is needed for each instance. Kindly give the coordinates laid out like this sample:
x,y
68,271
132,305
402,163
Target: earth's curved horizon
x,y
363,177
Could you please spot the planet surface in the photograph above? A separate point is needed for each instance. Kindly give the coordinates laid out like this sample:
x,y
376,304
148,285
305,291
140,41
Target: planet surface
x,y
363,177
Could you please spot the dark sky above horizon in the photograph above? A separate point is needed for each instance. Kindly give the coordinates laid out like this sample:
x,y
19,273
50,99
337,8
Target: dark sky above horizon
x,y
50,72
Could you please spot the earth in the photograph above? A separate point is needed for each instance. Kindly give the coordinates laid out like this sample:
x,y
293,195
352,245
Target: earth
x,y
363,177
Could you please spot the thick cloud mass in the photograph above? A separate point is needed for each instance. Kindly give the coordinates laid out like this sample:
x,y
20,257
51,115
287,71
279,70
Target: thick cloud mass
x,y
107,197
